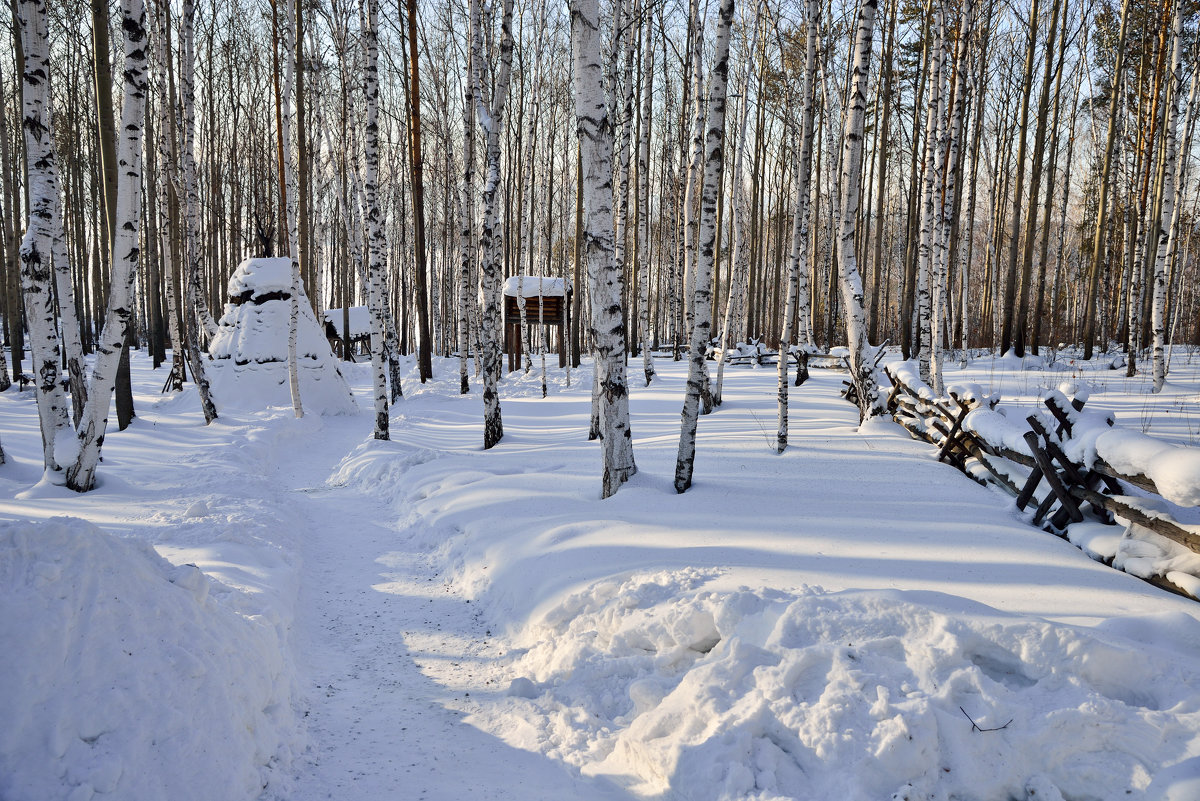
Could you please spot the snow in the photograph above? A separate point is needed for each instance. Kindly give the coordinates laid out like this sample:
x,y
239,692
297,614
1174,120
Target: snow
x,y
998,429
250,349
1175,470
532,286
261,276
360,321
120,671
849,619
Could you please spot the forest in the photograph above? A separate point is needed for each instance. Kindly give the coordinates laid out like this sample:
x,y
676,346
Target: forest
x,y
939,177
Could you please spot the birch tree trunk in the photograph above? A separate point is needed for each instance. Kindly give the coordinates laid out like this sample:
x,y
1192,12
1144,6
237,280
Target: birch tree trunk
x,y
643,204
191,191
118,317
491,118
376,243
36,271
167,177
714,161
289,201
467,225
862,366
930,196
739,258
798,295
950,169
604,281
1167,230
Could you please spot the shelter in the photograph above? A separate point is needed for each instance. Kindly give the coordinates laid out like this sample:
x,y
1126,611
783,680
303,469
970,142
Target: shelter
x,y
547,302
359,331
250,349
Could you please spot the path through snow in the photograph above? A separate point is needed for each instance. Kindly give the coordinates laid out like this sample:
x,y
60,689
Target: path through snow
x,y
380,727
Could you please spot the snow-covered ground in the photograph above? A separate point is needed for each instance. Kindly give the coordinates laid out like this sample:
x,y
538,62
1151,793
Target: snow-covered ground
x,y
422,619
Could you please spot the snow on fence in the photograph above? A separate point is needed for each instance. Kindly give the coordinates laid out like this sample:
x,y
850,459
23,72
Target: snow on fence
x,y
1079,473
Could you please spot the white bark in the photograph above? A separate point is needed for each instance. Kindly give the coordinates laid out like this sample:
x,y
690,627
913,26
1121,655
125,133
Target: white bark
x,y
191,190
643,204
467,225
740,256
702,303
930,196
862,367
50,224
167,177
376,243
1167,232
289,171
798,293
491,117
596,144
36,273
945,207
118,318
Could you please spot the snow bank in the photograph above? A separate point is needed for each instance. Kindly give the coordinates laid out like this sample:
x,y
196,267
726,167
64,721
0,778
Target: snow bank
x,y
528,286
250,348
850,695
121,676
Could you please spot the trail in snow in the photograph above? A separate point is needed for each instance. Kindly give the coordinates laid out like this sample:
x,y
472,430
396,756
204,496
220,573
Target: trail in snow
x,y
380,727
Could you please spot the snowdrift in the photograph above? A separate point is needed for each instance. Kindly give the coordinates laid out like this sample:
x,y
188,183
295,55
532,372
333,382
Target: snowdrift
x,y
125,679
853,695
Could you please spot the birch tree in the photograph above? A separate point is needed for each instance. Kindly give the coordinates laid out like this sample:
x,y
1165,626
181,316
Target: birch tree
x,y
288,179
596,148
797,293
714,161
739,258
643,204
161,54
118,319
491,118
36,247
1167,231
467,223
930,196
376,243
862,362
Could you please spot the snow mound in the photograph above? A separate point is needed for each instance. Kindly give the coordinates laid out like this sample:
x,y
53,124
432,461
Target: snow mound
x,y
120,676
250,349
850,695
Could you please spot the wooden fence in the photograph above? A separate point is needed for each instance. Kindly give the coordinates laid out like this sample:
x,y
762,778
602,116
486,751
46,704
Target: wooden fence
x,y
1055,464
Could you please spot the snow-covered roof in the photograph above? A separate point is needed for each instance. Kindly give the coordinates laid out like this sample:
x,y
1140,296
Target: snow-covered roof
x,y
532,286
261,276
360,321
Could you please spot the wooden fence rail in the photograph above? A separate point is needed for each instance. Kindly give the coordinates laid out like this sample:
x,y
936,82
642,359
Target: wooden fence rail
x,y
1055,464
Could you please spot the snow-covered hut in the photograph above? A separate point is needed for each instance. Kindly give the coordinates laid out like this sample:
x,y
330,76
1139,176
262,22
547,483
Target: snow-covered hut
x,y
547,302
250,349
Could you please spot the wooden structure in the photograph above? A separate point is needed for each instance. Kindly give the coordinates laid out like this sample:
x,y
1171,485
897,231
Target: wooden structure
x,y
360,331
552,308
